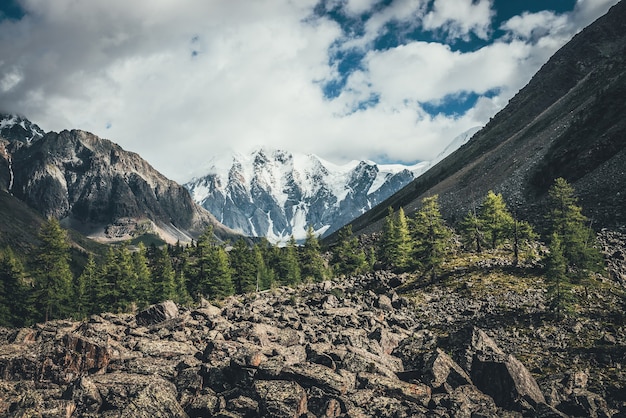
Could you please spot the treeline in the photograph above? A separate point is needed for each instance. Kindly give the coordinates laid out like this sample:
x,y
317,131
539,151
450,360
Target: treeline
x,y
425,241
45,287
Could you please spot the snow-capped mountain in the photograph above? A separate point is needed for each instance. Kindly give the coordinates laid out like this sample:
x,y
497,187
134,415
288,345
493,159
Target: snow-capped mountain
x,y
274,194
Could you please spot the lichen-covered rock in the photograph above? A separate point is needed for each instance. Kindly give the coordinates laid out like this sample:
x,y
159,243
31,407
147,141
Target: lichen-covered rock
x,y
281,398
157,313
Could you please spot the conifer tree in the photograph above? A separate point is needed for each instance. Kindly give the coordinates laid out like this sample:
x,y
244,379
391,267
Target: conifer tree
x,y
52,274
347,257
560,295
568,222
164,277
496,219
144,287
472,232
244,268
522,237
313,267
397,245
288,267
83,305
221,284
432,236
266,277
14,307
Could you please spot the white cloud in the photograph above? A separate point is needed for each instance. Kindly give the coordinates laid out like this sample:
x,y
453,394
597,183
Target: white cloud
x,y
458,18
180,82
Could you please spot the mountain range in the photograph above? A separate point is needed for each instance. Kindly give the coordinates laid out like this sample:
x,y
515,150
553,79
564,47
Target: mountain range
x,y
276,194
92,185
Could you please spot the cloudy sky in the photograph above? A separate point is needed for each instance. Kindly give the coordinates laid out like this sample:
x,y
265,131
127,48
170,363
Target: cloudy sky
x,y
182,81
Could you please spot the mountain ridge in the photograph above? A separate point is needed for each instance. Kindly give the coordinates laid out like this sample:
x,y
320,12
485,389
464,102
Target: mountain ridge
x,y
568,121
94,186
275,193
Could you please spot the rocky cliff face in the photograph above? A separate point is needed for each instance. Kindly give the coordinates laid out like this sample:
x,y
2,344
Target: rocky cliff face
x,y
275,194
350,348
95,186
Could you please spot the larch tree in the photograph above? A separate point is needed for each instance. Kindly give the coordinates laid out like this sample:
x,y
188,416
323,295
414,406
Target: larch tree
x,y
311,261
568,222
347,256
432,236
51,270
496,219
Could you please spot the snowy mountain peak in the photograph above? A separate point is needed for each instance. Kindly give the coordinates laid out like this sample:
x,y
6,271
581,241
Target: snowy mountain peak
x,y
274,193
18,129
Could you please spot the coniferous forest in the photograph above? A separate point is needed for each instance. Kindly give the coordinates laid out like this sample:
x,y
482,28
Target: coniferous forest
x,y
52,283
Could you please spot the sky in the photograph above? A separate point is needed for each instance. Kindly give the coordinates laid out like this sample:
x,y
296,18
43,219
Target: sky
x,y
184,81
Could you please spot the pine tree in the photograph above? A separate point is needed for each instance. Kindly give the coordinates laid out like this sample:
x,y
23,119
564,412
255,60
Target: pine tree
x,y
288,267
496,219
472,232
431,235
560,296
244,268
396,246
83,305
568,222
221,284
164,277
14,307
313,267
347,257
522,237
266,277
144,287
52,274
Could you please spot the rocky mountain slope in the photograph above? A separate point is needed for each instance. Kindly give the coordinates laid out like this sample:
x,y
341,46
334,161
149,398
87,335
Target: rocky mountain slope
x,y
275,194
477,343
569,121
94,186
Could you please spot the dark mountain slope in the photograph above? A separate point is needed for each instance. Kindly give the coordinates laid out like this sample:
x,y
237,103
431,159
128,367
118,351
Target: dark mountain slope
x,y
569,121
96,187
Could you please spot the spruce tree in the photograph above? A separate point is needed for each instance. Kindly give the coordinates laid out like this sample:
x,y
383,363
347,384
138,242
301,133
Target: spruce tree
x,y
288,267
244,268
144,286
14,307
313,267
266,277
347,256
472,232
396,246
163,277
220,284
496,219
560,296
83,304
569,223
52,275
432,236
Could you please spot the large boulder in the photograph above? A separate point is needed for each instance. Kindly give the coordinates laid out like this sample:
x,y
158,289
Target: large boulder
x,y
157,313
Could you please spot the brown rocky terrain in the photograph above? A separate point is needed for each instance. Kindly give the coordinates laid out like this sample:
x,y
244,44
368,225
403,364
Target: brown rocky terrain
x,y
478,343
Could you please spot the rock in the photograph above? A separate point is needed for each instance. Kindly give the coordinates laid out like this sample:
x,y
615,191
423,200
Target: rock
x,y
440,371
281,398
418,393
157,313
384,302
138,395
583,403
204,404
508,382
311,374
